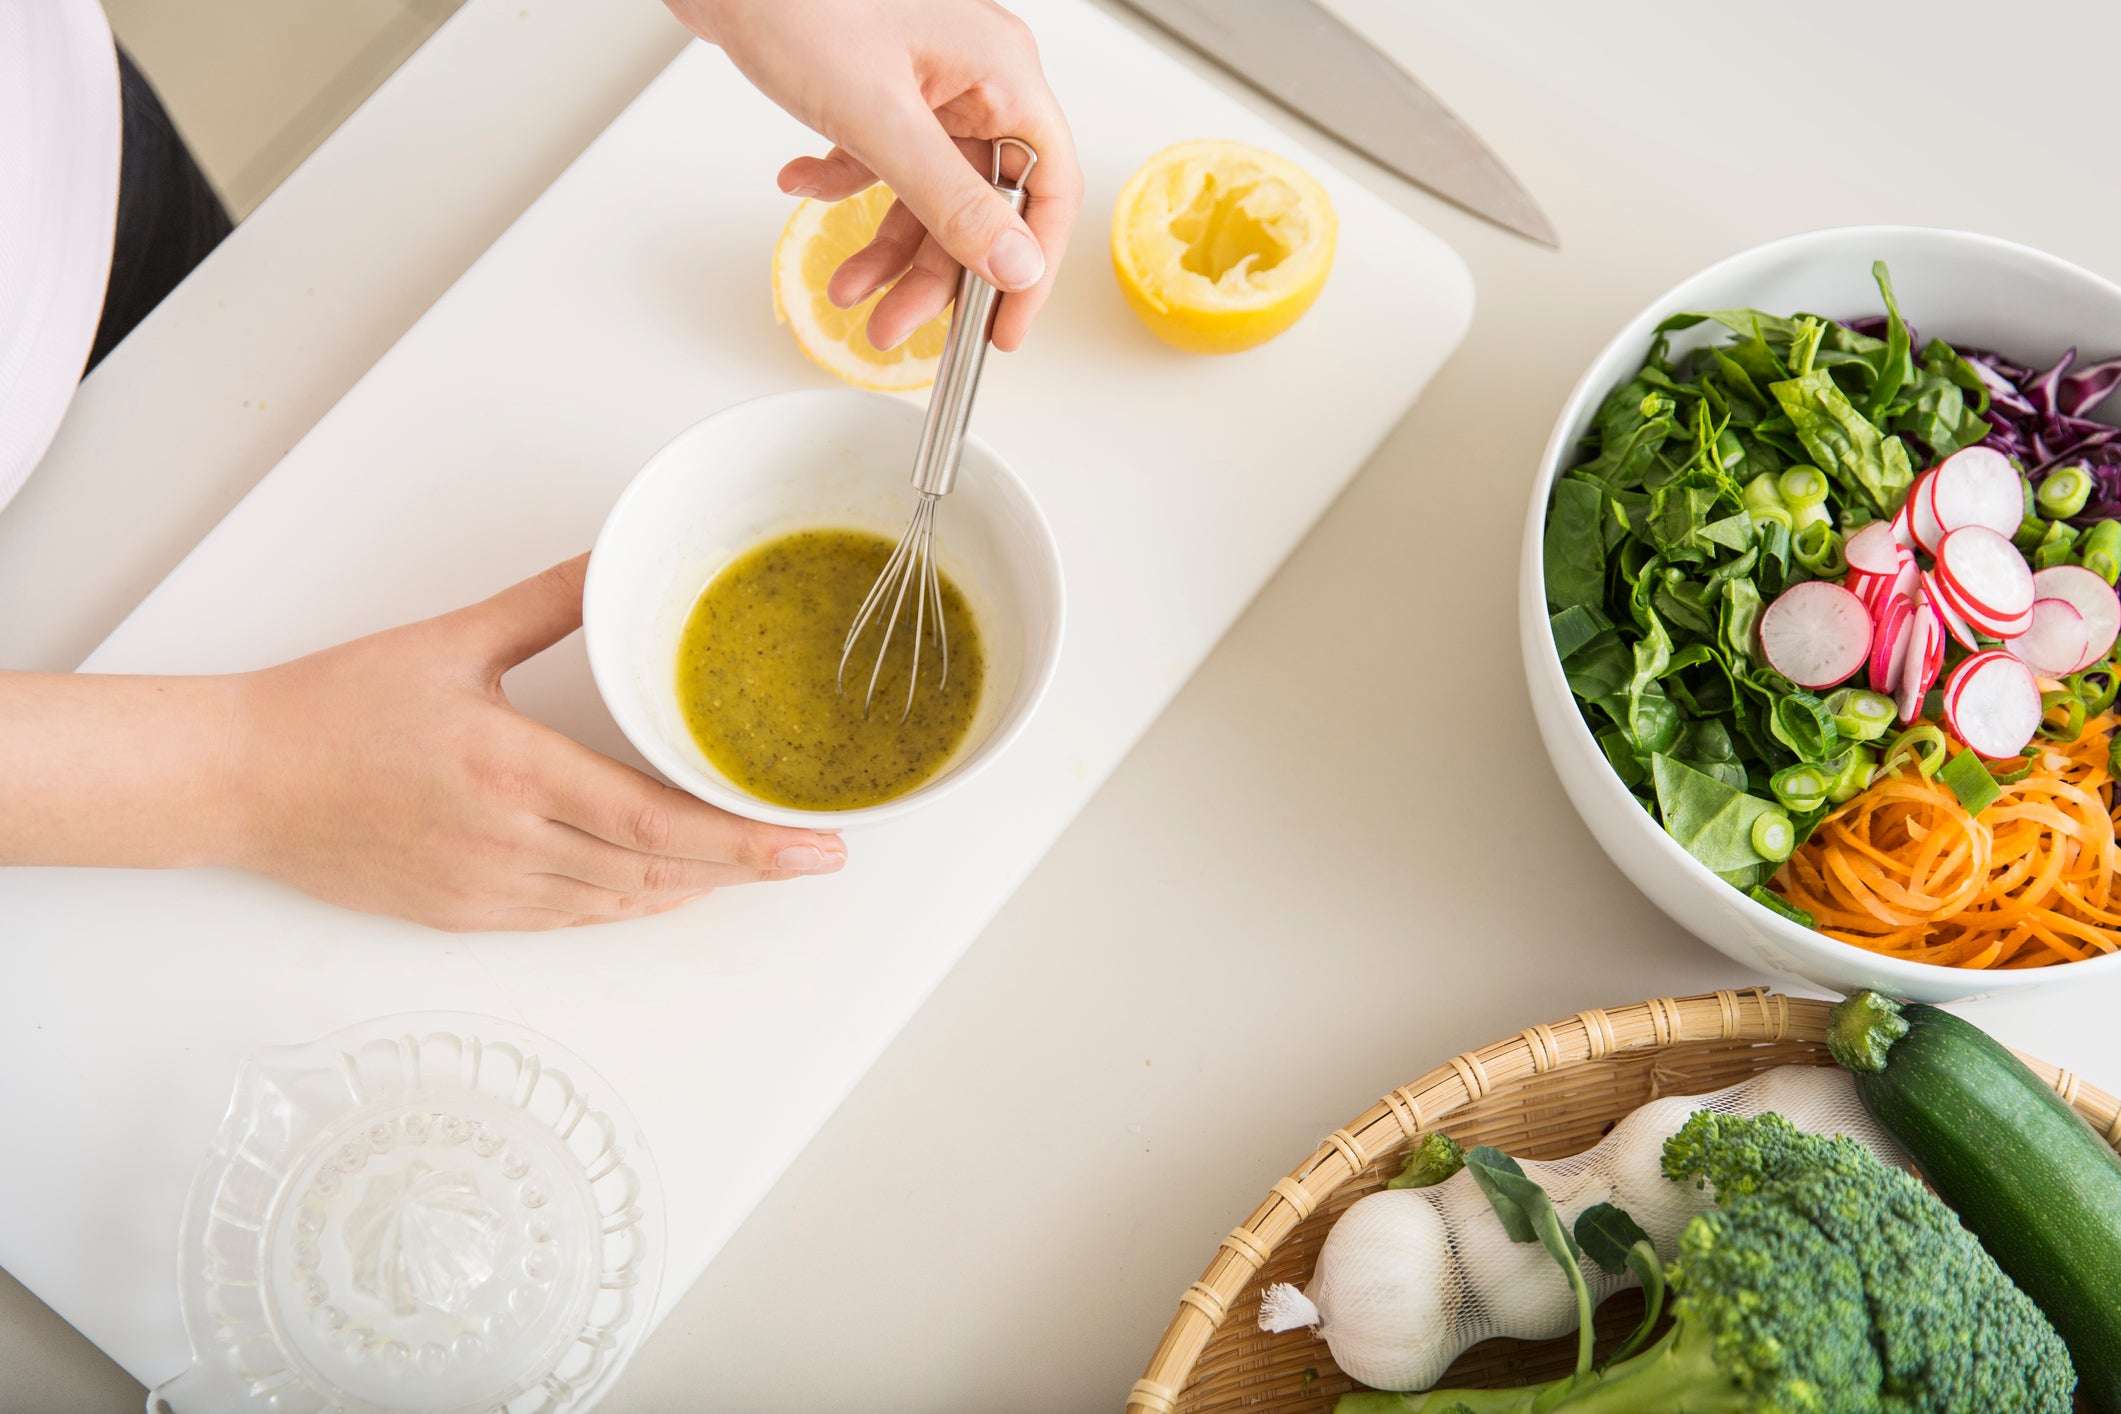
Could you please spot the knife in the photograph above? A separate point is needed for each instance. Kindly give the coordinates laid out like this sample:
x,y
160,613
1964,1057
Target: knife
x,y
1306,59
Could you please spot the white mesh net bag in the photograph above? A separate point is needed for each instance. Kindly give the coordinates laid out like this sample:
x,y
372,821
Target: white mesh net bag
x,y
1410,1277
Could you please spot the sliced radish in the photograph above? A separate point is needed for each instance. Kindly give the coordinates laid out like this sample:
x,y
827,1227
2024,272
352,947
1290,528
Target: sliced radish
x,y
2055,644
1986,574
1889,643
1922,514
1958,680
1904,584
1977,486
2091,597
1948,595
1954,621
1869,588
1872,550
1815,634
1903,531
1921,659
1993,705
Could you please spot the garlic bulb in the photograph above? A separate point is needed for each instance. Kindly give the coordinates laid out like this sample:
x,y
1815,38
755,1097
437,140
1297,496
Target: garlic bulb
x,y
1385,1274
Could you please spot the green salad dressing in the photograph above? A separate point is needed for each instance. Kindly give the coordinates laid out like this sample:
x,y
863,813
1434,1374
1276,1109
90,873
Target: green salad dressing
x,y
757,668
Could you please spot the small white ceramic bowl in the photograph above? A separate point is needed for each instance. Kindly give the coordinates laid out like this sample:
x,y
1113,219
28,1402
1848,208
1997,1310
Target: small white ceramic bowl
x,y
793,461
1967,289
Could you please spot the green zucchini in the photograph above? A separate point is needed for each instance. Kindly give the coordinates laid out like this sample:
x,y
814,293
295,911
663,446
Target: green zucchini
x,y
2026,1174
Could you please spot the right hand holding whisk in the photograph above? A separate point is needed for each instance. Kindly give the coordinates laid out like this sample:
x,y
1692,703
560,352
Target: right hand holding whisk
x,y
892,86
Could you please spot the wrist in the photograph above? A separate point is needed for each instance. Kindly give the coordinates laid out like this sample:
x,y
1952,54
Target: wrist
x,y
227,794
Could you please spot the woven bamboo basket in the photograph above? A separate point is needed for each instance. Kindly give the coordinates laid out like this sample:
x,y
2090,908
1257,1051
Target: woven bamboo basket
x,y
1546,1092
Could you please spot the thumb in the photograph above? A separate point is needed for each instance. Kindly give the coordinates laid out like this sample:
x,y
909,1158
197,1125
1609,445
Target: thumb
x,y
968,218
525,619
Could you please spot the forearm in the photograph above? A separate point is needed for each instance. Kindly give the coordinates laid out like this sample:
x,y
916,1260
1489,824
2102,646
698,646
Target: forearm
x,y
125,771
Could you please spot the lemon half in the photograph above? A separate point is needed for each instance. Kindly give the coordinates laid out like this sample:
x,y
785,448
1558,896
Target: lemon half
x,y
1219,246
816,239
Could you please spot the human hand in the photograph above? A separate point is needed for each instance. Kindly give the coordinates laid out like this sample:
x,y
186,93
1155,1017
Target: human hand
x,y
391,775
910,93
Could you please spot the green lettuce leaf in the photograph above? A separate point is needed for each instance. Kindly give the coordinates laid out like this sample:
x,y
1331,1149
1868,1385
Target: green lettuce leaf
x,y
1575,547
1575,626
1845,444
1712,820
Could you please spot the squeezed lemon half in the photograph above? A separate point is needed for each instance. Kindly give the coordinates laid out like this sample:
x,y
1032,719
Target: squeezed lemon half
x,y
816,239
1219,246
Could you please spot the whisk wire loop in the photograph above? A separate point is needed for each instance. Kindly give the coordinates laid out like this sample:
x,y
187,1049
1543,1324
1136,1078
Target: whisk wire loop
x,y
910,567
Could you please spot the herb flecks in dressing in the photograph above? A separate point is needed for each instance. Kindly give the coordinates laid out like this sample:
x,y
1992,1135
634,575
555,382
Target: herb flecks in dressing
x,y
757,664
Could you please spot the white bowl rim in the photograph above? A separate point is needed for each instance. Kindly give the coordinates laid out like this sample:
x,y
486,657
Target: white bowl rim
x,y
606,672
1555,459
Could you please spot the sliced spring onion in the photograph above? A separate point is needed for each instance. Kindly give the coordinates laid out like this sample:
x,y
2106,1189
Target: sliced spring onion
x,y
2031,531
1770,515
2065,492
1774,836
2096,686
1760,494
1802,487
1855,777
1729,450
1801,788
1921,746
1773,536
1970,781
1775,903
2072,724
1817,546
1861,715
2058,547
2017,773
2101,550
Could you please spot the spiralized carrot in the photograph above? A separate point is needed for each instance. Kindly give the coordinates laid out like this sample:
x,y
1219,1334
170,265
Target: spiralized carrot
x,y
1904,870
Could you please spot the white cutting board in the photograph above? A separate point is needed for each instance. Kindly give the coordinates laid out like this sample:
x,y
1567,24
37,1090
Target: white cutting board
x,y
628,302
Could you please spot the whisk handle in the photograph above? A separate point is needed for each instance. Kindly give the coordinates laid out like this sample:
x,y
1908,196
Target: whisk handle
x,y
964,352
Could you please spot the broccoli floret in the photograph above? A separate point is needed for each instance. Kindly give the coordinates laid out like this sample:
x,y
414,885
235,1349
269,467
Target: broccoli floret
x,y
1434,1159
1823,1283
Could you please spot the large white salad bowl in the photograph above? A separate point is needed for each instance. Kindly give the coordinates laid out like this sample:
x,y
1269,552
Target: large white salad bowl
x,y
1968,289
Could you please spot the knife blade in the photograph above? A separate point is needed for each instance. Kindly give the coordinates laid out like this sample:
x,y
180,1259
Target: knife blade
x,y
1308,60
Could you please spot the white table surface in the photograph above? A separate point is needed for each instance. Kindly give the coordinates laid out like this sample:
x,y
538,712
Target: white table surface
x,y
1340,855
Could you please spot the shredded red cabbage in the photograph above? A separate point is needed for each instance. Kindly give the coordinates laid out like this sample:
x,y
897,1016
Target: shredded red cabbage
x,y
2041,417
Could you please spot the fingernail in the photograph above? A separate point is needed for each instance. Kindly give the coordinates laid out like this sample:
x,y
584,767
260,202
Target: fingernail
x,y
801,189
1016,261
807,859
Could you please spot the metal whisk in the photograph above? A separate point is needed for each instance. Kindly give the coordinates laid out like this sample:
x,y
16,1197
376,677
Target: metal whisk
x,y
912,562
